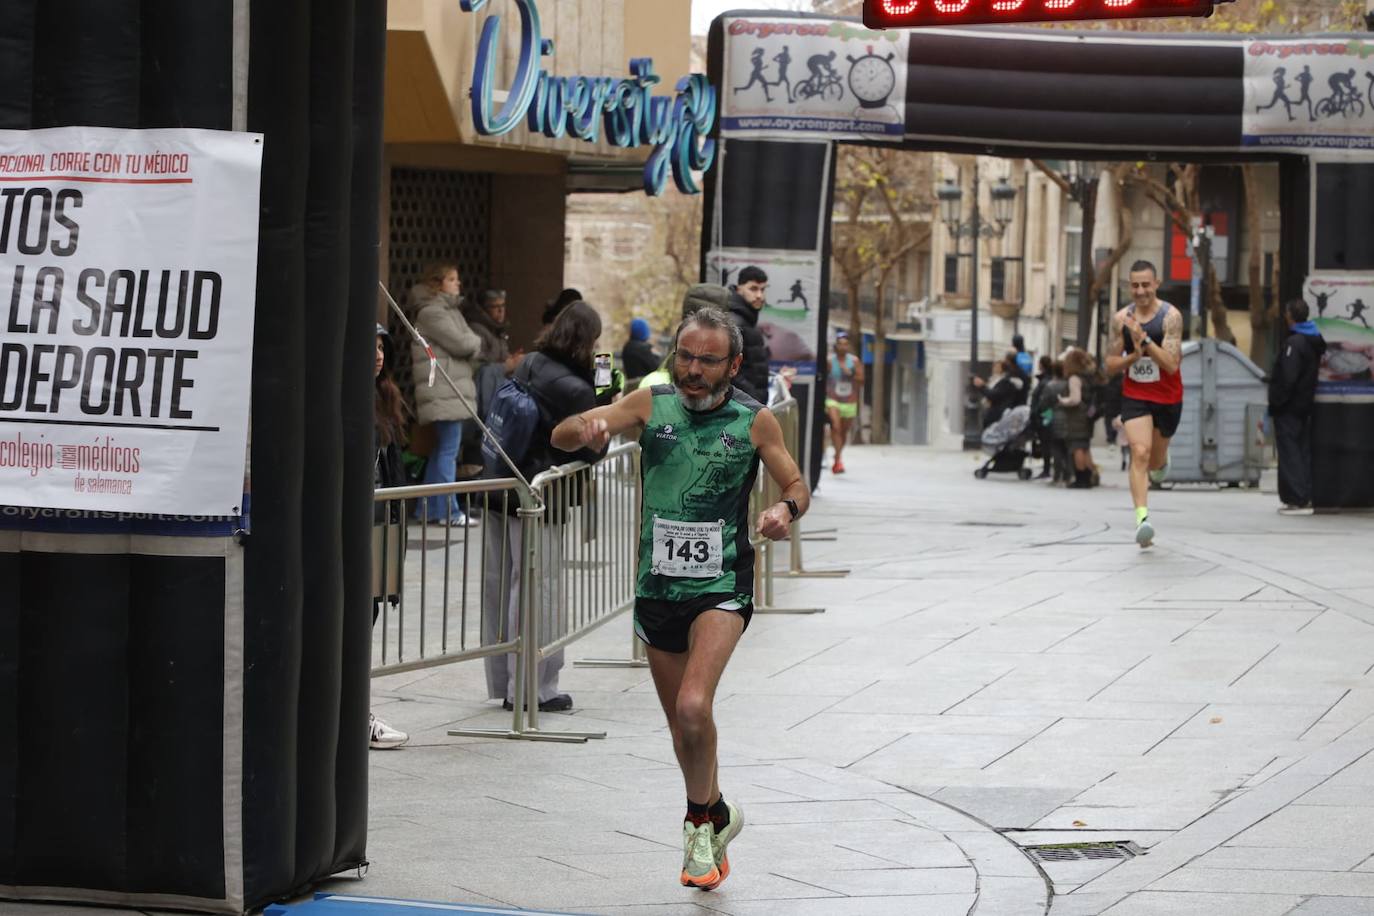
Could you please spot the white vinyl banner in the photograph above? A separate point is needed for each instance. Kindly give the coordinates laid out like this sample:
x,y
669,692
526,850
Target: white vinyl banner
x,y
128,271
1309,94
809,77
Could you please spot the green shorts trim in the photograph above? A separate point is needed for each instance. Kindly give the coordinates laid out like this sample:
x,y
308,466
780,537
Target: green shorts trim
x,y
847,411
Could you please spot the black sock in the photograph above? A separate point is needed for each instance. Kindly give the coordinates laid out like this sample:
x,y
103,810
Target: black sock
x,y
720,815
697,814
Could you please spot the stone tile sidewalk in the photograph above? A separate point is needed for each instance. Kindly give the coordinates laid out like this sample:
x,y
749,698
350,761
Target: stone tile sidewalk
x,y
1003,669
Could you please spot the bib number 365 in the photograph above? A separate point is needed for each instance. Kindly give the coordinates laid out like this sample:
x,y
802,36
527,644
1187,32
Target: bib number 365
x,y
688,550
1145,371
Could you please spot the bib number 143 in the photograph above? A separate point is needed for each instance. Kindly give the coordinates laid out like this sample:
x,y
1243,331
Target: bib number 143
x,y
687,550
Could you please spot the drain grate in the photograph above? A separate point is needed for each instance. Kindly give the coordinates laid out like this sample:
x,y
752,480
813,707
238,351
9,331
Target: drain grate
x,y
1079,852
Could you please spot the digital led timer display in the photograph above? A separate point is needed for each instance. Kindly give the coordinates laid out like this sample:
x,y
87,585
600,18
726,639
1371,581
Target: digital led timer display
x,y
899,14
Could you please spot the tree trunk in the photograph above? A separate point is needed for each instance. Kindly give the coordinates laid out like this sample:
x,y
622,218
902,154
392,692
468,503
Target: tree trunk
x,y
856,324
876,382
1216,307
1259,315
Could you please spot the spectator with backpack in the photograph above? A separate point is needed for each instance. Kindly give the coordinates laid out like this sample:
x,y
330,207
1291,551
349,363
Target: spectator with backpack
x,y
551,384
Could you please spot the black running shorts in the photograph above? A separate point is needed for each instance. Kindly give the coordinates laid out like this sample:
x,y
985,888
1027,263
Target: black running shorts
x,y
664,625
1165,416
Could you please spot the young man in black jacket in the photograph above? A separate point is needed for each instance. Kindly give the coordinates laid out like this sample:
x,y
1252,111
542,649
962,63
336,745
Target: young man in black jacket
x,y
746,304
1292,386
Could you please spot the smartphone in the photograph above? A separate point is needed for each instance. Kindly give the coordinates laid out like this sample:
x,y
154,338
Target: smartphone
x,y
603,370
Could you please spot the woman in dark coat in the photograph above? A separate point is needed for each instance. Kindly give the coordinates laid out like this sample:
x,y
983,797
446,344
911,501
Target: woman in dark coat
x,y
559,374
388,521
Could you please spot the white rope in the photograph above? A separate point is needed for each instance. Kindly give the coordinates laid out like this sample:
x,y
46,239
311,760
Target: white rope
x,y
434,365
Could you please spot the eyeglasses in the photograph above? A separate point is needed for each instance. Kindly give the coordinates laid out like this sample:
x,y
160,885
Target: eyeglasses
x,y
684,358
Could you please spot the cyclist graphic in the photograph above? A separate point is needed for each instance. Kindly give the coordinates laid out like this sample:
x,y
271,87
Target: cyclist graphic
x,y
1344,99
757,76
824,81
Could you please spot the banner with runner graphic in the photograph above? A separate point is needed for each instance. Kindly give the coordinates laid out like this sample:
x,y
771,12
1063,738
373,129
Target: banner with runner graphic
x,y
1309,94
1340,304
790,320
809,77
128,272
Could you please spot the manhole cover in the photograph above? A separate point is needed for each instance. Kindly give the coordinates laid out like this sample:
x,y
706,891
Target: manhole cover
x,y
1078,852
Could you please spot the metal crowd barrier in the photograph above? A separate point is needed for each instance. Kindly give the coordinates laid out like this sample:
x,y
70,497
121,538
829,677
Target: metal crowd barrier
x,y
571,543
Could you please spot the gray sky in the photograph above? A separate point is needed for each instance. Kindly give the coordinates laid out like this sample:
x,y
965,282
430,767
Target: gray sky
x,y
703,11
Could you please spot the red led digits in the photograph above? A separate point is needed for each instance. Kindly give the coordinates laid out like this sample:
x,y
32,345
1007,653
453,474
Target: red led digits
x,y
899,14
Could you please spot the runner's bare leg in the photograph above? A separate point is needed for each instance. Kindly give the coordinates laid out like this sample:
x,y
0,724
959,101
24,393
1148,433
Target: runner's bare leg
x,y
686,685
1140,435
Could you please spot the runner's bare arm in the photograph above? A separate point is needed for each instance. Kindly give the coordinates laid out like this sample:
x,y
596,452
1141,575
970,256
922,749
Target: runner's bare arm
x,y
1116,346
595,428
775,522
1169,355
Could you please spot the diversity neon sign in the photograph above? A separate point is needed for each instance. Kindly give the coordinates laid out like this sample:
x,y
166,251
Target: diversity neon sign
x,y
678,129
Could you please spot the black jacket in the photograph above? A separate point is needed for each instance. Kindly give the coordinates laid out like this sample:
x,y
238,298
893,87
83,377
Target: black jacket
x,y
1293,381
753,372
561,391
639,359
1010,391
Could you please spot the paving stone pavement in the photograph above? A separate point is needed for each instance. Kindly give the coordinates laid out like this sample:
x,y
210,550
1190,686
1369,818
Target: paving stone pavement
x,y
1003,668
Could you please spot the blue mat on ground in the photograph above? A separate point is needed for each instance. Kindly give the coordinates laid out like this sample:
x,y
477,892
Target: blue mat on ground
x,y
333,905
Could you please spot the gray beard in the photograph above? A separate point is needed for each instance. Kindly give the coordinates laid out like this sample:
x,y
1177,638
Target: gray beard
x,y
710,399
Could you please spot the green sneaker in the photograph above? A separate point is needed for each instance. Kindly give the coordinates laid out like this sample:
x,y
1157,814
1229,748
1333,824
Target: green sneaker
x,y
1161,475
698,857
720,840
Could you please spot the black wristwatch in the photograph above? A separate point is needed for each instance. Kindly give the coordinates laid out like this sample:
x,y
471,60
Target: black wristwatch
x,y
791,505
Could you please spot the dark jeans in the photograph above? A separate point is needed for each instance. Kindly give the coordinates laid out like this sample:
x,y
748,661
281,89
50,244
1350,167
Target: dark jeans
x,y
1293,436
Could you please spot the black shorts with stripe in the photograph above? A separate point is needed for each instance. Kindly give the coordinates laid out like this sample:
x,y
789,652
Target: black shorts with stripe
x,y
665,625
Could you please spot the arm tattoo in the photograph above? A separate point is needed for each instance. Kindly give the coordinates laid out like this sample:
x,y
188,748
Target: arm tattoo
x,y
1173,334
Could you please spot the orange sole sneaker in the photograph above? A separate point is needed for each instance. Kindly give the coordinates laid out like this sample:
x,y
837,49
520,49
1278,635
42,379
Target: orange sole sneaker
x,y
707,882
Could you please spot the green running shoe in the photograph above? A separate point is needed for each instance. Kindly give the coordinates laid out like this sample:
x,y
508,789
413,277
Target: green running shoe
x,y
720,840
1161,475
698,857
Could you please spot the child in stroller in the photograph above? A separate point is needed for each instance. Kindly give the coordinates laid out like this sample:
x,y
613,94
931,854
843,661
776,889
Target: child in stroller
x,y
1008,443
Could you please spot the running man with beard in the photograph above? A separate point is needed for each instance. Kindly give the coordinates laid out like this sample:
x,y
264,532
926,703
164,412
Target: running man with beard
x,y
702,442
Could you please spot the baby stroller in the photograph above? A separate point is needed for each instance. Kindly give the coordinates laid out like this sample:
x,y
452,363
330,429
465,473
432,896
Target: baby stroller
x,y
1007,441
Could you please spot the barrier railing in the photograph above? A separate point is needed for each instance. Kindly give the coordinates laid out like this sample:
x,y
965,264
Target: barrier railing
x,y
570,542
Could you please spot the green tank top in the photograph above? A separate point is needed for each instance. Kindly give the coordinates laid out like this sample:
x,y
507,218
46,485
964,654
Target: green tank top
x,y
698,470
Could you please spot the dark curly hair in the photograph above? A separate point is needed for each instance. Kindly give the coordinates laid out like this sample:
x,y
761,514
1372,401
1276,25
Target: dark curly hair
x,y
573,335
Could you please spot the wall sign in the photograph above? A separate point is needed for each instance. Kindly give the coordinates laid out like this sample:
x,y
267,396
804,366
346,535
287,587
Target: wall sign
x,y
627,110
128,277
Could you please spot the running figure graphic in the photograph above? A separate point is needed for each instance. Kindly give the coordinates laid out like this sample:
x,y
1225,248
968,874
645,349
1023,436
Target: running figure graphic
x,y
757,75
1280,94
783,59
1304,81
1357,310
797,293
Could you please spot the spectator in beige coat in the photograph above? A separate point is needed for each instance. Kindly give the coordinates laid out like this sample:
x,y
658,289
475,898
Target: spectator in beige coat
x,y
437,309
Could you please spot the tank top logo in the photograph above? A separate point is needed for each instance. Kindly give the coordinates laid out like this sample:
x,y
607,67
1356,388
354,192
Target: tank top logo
x,y
729,441
667,434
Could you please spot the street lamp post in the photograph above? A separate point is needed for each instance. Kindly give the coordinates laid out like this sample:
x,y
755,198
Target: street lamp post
x,y
1003,205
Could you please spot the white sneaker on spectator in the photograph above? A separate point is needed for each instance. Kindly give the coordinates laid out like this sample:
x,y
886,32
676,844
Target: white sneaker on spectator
x,y
383,737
